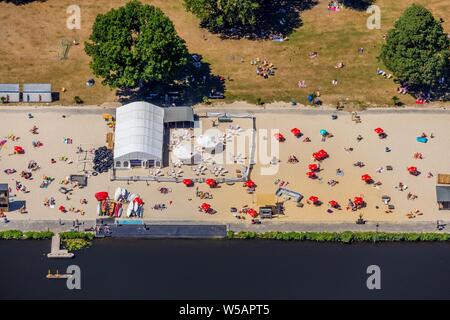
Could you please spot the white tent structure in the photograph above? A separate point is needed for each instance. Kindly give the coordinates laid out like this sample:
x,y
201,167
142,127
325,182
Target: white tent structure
x,y
139,136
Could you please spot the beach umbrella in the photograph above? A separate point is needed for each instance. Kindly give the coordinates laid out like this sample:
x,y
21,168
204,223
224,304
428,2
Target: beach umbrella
x,y
333,204
323,153
296,132
252,212
250,184
205,206
323,132
18,149
138,201
62,209
313,167
358,201
100,196
378,130
211,182
412,170
209,140
188,182
366,178
422,139
279,137
311,174
314,199
316,156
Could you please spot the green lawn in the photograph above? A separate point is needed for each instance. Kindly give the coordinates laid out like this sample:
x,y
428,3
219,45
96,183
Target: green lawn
x,y
32,33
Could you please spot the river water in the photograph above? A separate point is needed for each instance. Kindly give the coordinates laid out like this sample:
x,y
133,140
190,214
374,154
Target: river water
x,y
228,269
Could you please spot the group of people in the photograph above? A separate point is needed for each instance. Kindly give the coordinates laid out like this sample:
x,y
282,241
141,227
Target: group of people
x,y
264,68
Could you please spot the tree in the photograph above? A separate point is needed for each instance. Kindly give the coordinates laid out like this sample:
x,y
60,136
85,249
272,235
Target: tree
x,y
417,50
134,45
224,14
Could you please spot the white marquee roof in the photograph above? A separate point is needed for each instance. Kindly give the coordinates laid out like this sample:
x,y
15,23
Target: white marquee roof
x,y
139,132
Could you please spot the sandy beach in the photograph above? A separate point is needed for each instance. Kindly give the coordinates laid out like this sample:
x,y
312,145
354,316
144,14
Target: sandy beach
x,y
86,128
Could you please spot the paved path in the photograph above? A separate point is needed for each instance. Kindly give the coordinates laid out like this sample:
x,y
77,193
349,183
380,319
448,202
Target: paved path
x,y
339,227
55,226
43,225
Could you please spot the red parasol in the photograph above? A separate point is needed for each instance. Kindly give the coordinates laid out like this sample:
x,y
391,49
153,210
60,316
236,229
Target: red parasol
x,y
378,131
62,209
138,201
18,149
311,174
250,184
296,132
205,206
252,212
313,199
322,153
188,182
279,137
317,156
366,178
100,196
313,167
211,182
333,204
358,201
412,169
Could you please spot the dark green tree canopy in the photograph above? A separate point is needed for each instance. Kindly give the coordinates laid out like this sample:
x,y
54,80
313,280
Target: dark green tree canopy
x,y
417,50
135,44
220,14
249,18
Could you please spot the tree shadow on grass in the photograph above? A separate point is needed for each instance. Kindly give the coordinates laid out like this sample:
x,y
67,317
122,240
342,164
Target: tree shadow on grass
x,y
360,5
21,2
440,92
278,19
193,84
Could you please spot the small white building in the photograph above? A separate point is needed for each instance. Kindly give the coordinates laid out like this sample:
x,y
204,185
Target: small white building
x,y
9,92
139,136
37,92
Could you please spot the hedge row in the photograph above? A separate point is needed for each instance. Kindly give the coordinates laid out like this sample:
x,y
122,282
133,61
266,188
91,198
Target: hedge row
x,y
343,237
19,235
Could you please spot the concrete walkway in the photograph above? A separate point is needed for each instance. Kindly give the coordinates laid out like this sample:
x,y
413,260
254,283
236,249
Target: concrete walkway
x,y
44,225
55,226
340,227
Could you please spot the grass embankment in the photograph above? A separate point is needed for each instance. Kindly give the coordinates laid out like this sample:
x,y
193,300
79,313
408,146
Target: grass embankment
x,y
28,235
343,237
73,240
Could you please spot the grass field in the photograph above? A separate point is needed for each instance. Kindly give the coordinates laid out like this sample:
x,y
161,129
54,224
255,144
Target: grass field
x,y
30,37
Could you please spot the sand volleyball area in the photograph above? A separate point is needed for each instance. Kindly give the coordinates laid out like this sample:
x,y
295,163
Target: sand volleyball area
x,y
60,132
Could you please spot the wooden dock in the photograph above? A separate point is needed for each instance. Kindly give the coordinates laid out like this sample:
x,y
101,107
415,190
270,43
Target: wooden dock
x,y
56,252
